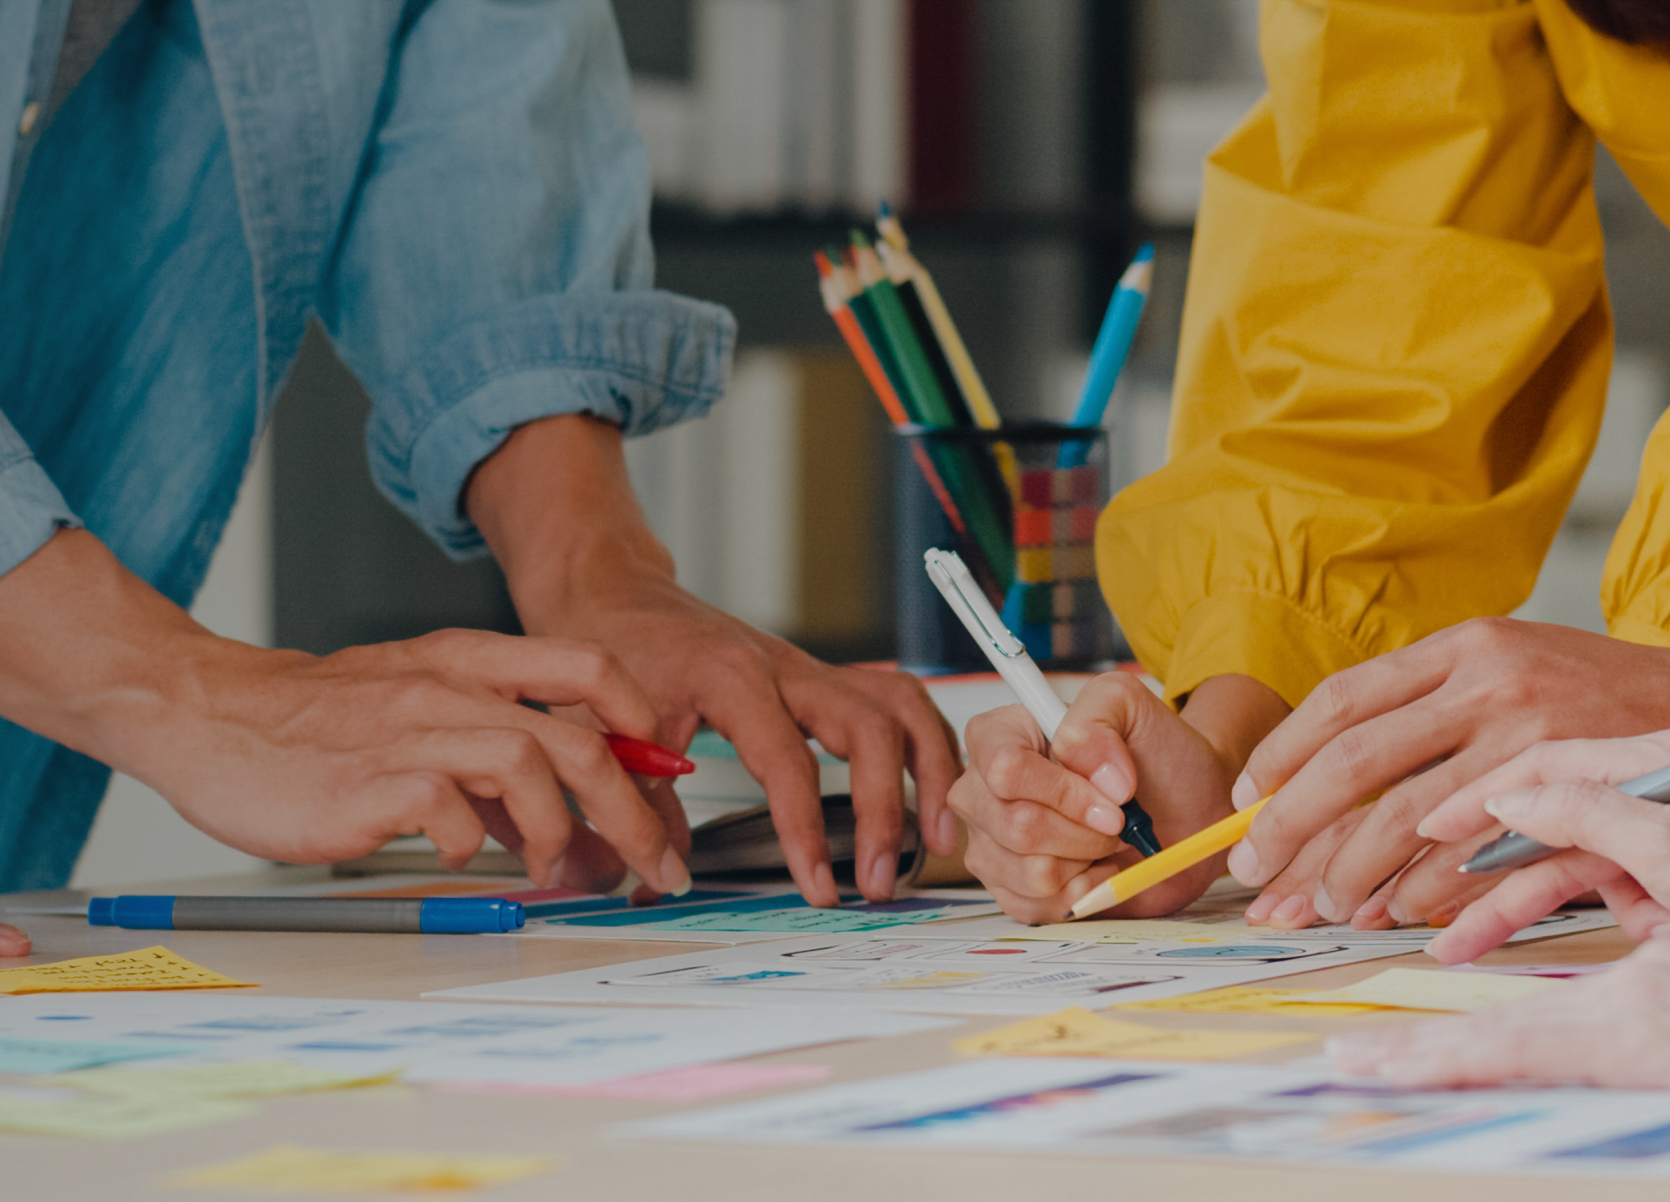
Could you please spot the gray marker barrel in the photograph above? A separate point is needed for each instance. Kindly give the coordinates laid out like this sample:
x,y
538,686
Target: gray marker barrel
x,y
1514,850
386,915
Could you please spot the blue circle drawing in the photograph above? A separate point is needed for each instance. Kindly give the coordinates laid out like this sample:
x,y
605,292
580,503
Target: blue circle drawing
x,y
1241,951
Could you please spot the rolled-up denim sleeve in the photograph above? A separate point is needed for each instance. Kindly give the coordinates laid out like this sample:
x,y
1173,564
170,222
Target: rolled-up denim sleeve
x,y
496,266
31,508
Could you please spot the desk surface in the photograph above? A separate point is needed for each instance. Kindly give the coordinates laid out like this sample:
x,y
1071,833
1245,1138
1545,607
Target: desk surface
x,y
602,1167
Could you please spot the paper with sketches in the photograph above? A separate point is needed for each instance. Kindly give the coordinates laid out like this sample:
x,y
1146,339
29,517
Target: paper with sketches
x,y
62,1055
238,1079
735,917
92,1116
1078,1032
1427,989
1558,971
909,972
435,1041
1268,1113
148,968
289,1169
695,1083
1137,930
1250,999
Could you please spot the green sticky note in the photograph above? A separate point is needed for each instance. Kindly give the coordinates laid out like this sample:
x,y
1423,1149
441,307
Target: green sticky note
x,y
61,1055
94,1117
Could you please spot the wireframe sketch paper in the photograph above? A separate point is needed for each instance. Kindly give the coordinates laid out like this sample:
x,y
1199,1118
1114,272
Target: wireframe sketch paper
x,y
1140,1108
433,1041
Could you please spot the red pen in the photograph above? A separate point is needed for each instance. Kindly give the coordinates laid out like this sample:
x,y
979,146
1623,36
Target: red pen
x,y
646,758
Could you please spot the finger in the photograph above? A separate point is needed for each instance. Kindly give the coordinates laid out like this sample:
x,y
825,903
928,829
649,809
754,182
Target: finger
x,y
429,803
930,750
14,942
1340,703
1285,903
1610,761
551,671
589,865
1520,899
1093,738
1007,750
1629,831
1039,877
1386,839
745,707
1435,882
1639,914
1026,828
850,726
610,801
659,793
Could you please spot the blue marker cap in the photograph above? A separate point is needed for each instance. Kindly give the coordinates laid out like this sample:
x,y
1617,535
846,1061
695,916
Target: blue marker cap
x,y
469,915
140,913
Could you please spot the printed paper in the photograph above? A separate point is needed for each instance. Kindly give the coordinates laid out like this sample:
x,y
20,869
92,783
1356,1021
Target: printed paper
x,y
1078,1032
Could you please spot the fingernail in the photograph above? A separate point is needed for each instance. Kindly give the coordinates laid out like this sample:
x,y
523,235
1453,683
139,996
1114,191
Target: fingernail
x,y
881,875
1107,820
1325,905
1420,828
1243,864
1398,911
1112,782
1290,909
1444,915
672,875
947,829
1370,912
1260,909
1245,793
1509,805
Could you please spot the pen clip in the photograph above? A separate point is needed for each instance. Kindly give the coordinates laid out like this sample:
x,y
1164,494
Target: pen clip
x,y
955,583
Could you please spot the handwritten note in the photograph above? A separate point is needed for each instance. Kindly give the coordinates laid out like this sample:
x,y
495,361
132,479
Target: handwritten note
x,y
19,1055
1078,1032
1249,999
1424,989
291,1169
238,1079
149,968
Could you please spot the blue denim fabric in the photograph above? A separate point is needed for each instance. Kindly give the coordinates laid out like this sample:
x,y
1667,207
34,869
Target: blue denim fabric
x,y
454,187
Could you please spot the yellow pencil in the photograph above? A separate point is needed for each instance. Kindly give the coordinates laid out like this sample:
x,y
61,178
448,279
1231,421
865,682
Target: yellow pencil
x,y
1162,866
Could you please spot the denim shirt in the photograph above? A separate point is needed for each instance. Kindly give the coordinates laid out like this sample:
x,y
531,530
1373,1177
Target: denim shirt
x,y
455,188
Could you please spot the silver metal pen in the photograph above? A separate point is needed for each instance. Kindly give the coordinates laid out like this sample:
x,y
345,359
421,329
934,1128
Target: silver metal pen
x,y
1514,850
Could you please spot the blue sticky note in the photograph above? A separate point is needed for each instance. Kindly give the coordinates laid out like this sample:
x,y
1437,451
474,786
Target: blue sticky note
x,y
62,1055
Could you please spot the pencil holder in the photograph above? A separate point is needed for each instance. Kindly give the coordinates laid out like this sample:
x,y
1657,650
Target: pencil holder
x,y
1044,582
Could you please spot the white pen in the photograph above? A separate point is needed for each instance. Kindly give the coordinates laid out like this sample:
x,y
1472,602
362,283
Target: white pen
x,y
1008,655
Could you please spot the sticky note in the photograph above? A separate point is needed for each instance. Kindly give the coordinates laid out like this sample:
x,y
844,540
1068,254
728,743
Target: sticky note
x,y
95,1117
1249,999
1131,930
236,1079
1423,989
1078,1032
149,968
291,1169
19,1055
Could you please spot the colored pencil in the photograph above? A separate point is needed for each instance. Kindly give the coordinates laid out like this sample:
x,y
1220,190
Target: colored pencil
x,y
1112,348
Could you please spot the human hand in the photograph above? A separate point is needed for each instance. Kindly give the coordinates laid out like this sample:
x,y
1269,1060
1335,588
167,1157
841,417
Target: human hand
x,y
1610,1030
556,507
1457,703
1043,819
1553,793
14,942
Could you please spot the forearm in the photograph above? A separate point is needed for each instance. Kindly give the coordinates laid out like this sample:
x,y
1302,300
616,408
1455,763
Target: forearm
x,y
1234,713
90,655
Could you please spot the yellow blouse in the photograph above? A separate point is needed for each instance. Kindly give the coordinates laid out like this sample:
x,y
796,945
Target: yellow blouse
x,y
1395,346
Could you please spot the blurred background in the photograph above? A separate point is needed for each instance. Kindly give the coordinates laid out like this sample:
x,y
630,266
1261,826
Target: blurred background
x,y
1030,145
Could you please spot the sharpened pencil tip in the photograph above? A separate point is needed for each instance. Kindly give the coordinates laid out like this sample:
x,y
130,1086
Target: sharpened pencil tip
x,y
883,210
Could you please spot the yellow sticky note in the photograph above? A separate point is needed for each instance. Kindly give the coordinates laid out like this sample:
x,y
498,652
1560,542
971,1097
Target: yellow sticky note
x,y
291,1169
931,980
1133,930
238,1079
149,968
1422,989
1248,999
1078,1032
95,1117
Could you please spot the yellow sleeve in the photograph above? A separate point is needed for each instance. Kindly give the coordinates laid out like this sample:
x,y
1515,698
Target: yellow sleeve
x,y
1623,94
1393,357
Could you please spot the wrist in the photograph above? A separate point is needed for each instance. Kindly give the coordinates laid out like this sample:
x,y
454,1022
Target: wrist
x,y
1234,713
556,506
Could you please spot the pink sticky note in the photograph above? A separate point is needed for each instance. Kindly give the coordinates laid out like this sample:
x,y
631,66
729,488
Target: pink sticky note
x,y
692,1083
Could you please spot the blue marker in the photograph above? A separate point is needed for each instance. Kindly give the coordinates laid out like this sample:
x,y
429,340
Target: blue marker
x,y
1113,347
386,915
